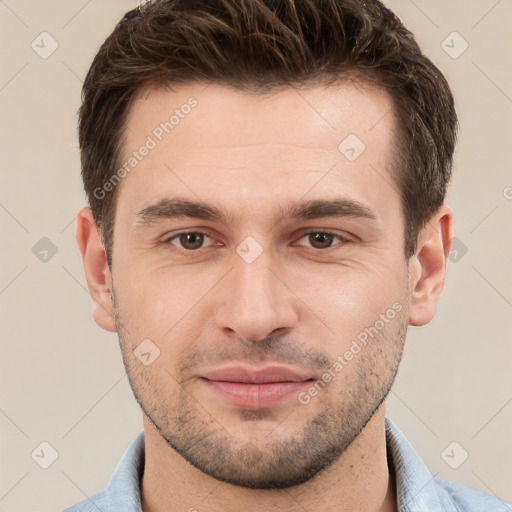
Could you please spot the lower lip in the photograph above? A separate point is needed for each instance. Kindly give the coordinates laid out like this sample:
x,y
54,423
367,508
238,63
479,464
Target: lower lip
x,y
255,395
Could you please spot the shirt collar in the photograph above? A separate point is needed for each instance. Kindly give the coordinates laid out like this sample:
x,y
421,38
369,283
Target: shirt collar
x,y
415,486
123,488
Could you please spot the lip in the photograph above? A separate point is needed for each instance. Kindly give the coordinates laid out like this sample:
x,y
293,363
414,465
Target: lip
x,y
251,388
265,375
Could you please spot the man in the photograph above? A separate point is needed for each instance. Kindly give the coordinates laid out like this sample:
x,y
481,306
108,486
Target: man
x,y
266,184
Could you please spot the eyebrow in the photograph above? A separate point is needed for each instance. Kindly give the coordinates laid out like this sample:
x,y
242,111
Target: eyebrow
x,y
178,208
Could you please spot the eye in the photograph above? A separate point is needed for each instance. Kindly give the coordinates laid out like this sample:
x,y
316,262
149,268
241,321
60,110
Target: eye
x,y
189,241
323,239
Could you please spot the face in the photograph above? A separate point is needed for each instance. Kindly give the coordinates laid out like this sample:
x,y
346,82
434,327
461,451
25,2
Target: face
x,y
276,311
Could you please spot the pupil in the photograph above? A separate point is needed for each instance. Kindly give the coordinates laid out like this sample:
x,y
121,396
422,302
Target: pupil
x,y
317,237
184,240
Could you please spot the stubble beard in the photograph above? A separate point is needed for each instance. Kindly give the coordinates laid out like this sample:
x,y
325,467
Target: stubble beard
x,y
201,439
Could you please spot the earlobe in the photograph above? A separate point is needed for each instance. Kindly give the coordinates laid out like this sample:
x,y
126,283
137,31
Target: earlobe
x,y
428,266
97,273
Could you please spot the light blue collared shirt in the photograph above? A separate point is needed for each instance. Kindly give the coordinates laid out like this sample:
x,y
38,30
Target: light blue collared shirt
x,y
416,489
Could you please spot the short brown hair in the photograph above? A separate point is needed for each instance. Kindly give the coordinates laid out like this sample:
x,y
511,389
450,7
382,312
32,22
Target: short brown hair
x,y
259,45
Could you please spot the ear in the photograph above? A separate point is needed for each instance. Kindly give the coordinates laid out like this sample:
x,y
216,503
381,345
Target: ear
x,y
428,266
97,273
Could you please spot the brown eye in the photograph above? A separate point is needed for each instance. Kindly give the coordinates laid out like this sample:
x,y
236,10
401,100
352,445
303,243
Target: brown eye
x,y
320,240
191,241
188,241
323,239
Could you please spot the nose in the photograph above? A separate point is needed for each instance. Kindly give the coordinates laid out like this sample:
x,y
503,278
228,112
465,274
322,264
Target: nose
x,y
257,300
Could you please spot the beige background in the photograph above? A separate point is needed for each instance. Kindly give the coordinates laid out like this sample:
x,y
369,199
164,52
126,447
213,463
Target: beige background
x,y
62,378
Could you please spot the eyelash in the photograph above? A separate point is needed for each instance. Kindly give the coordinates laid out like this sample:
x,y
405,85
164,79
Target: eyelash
x,y
168,241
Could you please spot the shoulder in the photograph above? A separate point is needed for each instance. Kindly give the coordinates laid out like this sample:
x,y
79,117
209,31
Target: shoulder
x,y
122,492
467,499
93,504
418,490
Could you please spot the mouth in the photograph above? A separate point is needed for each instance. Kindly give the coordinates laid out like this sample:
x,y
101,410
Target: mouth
x,y
259,388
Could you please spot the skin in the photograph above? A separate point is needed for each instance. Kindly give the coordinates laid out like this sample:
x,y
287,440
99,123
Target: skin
x,y
300,304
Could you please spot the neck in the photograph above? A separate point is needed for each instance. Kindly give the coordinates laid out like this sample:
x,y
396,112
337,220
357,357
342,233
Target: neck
x,y
358,480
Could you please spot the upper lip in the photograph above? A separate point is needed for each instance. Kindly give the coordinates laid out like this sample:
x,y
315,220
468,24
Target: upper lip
x,y
256,376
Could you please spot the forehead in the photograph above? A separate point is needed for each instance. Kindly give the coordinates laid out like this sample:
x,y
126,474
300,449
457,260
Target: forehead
x,y
206,140
288,115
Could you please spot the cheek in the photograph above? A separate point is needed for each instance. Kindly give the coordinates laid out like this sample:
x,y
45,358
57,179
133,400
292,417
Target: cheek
x,y
163,306
348,301
150,291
